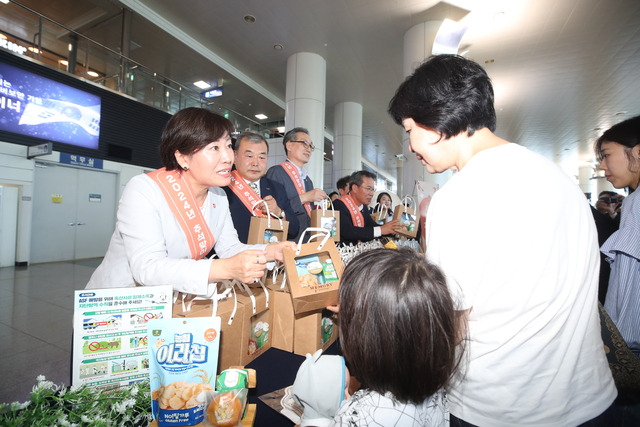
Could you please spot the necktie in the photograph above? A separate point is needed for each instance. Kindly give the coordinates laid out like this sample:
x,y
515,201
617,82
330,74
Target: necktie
x,y
254,187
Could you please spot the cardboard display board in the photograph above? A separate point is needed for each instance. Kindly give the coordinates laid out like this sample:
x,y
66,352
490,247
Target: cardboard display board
x,y
110,333
313,273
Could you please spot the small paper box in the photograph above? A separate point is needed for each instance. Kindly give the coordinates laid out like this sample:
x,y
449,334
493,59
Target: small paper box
x,y
283,320
231,330
257,333
407,215
267,229
314,331
313,272
327,219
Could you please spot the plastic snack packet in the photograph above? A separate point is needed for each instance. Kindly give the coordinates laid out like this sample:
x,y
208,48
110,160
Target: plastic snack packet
x,y
183,356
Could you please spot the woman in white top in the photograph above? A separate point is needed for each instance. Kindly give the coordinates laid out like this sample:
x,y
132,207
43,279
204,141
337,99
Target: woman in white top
x,y
170,220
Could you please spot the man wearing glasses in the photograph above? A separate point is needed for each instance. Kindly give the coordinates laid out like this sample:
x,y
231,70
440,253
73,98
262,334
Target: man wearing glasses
x,y
248,185
292,175
356,224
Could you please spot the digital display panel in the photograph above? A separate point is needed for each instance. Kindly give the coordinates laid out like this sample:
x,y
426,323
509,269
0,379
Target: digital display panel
x,y
35,106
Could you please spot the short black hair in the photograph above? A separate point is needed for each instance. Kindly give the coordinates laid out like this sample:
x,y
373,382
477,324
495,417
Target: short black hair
x,y
251,137
343,182
290,135
357,177
626,133
398,324
190,130
449,94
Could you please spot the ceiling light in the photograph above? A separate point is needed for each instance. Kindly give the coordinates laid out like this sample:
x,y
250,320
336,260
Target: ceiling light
x,y
33,49
249,19
63,62
93,73
3,37
202,84
5,1
261,116
278,46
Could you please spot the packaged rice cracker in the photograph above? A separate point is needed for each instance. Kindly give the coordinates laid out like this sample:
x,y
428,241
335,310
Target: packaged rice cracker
x,y
183,357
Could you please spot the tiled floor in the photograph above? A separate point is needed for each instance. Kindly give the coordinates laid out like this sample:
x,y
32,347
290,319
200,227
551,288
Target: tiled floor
x,y
36,312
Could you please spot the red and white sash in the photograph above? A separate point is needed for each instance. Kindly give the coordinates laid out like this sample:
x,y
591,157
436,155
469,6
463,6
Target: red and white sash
x,y
247,196
182,202
292,171
356,215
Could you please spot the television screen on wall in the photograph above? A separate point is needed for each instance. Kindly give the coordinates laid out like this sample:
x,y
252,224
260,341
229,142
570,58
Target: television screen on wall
x,y
35,106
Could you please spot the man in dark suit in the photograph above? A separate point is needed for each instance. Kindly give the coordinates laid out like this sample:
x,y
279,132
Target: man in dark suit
x,y
249,185
356,224
292,175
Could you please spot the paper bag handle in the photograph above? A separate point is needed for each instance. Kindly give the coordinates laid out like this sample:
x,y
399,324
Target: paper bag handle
x,y
321,232
323,204
379,213
406,205
269,213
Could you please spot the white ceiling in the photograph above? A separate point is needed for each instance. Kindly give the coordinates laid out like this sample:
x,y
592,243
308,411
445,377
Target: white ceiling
x,y
563,70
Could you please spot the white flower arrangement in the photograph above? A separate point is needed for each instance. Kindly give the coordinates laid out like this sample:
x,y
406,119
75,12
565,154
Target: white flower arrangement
x,y
50,405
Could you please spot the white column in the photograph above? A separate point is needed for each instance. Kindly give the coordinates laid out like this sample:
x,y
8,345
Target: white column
x,y
305,103
418,45
347,139
587,185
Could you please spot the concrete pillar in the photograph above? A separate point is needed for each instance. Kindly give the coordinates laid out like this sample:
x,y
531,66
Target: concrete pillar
x,y
587,185
347,151
305,104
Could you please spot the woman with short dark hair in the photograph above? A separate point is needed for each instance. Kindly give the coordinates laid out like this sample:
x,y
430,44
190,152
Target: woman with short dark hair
x,y
171,220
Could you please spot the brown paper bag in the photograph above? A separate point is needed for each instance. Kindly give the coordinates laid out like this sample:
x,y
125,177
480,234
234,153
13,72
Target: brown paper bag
x,y
283,320
328,219
269,229
381,215
313,272
232,316
407,215
257,334
314,331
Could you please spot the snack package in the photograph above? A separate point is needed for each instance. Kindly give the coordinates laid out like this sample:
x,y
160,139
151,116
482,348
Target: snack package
x,y
183,356
227,404
226,407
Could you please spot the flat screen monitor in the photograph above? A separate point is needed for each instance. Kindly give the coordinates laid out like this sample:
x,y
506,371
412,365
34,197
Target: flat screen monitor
x,y
39,107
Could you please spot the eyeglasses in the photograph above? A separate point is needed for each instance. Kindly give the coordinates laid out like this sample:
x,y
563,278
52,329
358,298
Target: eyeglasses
x,y
306,144
368,189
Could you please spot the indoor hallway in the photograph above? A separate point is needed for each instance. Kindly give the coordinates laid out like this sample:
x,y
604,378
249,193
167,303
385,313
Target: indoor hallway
x,y
36,314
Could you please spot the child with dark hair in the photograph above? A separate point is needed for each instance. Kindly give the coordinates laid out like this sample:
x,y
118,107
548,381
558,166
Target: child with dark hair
x,y
398,333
